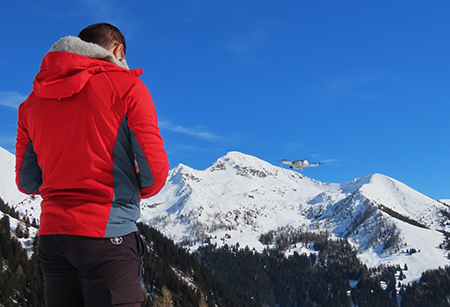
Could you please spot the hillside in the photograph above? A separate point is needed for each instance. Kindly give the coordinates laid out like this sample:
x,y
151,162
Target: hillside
x,y
27,206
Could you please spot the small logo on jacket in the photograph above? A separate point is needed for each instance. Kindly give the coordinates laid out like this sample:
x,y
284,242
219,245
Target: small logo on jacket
x,y
117,240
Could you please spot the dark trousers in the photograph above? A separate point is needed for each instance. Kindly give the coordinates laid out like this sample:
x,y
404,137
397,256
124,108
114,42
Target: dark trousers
x,y
92,272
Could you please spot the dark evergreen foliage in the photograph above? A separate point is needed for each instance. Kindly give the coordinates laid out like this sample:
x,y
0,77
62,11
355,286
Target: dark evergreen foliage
x,y
400,217
232,276
13,213
273,279
446,244
167,265
20,278
432,290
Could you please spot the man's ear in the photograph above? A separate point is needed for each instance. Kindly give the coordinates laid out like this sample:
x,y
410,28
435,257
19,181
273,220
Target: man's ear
x,y
118,52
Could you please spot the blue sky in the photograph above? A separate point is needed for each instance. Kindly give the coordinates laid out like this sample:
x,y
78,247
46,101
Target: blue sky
x,y
361,85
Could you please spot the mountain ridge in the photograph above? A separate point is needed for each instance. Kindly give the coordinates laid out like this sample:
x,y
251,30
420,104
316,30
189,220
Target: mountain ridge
x,y
239,197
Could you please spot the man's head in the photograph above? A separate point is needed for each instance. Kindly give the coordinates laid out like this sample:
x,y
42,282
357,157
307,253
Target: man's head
x,y
107,36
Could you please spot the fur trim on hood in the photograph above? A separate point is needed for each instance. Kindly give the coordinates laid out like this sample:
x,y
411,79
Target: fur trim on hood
x,y
75,45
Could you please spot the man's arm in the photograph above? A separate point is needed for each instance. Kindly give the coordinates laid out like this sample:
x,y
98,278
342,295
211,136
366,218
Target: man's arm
x,y
28,172
147,143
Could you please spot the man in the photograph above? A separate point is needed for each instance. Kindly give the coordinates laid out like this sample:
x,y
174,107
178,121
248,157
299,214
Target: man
x,y
88,141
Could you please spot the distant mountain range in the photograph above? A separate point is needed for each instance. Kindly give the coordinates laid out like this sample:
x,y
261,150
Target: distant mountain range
x,y
240,197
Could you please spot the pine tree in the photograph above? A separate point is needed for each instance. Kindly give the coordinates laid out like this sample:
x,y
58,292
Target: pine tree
x,y
166,299
202,303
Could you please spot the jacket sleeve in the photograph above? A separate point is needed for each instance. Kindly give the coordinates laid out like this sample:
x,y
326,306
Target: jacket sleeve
x,y
28,172
147,144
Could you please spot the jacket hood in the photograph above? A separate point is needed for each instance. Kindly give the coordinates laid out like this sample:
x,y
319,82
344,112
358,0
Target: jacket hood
x,y
69,65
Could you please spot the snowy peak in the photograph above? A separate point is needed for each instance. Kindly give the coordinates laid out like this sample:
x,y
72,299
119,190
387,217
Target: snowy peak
x,y
238,159
376,202
399,200
243,165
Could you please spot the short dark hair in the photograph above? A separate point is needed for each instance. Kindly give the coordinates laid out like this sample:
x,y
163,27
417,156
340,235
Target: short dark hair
x,y
103,34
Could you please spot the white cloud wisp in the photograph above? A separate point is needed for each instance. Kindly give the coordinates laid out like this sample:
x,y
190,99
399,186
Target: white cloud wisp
x,y
11,99
195,131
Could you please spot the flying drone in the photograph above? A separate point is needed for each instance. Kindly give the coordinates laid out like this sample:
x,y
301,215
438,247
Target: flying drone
x,y
300,164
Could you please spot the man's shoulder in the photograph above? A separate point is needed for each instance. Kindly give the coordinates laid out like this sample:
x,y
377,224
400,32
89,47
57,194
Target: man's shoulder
x,y
123,80
131,73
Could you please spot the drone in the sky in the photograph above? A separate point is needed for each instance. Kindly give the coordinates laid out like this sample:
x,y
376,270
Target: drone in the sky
x,y
300,164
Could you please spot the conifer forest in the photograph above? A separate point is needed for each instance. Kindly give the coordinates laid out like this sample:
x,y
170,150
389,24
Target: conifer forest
x,y
238,276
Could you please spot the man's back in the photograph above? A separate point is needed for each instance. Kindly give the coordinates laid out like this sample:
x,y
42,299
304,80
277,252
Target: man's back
x,y
88,122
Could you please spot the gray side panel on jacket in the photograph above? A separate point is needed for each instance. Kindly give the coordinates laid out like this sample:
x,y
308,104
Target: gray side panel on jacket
x,y
125,208
31,172
145,173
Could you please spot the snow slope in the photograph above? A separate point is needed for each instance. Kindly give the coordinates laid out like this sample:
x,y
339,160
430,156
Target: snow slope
x,y
27,205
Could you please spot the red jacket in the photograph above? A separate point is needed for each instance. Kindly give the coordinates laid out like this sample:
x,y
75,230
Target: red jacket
x,y
88,141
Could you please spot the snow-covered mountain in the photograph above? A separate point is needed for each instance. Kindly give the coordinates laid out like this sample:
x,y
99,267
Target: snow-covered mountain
x,y
239,197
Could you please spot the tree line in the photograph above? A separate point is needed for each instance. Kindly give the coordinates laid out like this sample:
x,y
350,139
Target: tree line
x,y
235,276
